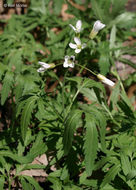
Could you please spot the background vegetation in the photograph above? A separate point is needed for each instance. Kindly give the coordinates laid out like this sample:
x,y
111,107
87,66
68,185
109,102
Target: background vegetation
x,y
86,129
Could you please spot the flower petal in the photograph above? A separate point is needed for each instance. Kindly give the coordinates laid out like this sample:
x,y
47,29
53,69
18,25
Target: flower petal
x,y
98,26
105,80
79,25
83,45
109,82
72,57
65,64
73,46
45,65
77,40
66,57
41,70
72,64
77,50
72,27
42,63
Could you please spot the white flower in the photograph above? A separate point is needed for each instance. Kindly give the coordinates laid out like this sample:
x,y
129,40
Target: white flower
x,y
45,66
69,61
78,27
78,46
105,80
98,26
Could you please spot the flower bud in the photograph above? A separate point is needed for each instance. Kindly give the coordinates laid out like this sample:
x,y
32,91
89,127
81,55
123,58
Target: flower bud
x,y
96,27
105,80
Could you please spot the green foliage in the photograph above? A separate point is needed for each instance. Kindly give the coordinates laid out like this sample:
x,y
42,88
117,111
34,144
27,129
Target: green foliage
x,y
86,130
28,107
7,84
71,123
91,144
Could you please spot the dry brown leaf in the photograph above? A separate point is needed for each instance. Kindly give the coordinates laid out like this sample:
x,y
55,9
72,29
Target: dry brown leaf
x,y
41,160
80,7
123,69
65,16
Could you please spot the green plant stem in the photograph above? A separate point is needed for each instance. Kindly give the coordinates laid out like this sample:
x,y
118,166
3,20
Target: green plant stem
x,y
121,84
58,114
71,105
86,69
9,185
107,111
82,68
115,73
63,88
58,64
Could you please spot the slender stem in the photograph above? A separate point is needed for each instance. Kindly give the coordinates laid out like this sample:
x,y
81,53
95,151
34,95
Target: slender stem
x,y
107,111
82,68
86,69
58,114
63,87
71,105
58,64
121,84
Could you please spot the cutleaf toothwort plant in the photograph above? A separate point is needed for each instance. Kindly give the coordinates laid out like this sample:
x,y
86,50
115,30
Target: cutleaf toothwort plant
x,y
78,47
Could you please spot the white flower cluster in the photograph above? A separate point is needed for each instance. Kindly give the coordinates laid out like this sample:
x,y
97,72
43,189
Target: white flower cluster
x,y
78,46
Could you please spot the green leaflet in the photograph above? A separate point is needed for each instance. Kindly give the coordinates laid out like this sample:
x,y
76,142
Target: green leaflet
x,y
98,11
16,158
86,83
126,166
113,37
32,181
114,95
117,8
41,109
123,19
70,126
104,63
113,171
26,114
104,60
126,101
131,175
7,84
57,184
91,144
100,117
100,120
37,149
2,181
34,166
3,68
25,184
71,186
15,59
19,87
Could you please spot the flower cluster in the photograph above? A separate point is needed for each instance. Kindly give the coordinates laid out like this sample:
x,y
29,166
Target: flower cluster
x,y
69,61
78,46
